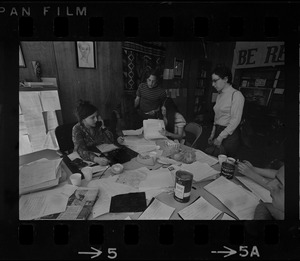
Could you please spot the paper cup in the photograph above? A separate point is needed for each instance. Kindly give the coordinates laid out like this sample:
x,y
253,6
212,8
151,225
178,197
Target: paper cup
x,y
117,168
75,179
87,173
222,158
153,155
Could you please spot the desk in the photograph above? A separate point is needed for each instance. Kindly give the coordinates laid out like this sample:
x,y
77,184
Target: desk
x,y
167,198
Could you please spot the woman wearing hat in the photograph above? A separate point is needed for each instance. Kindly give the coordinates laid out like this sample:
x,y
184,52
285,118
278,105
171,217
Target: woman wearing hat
x,y
87,134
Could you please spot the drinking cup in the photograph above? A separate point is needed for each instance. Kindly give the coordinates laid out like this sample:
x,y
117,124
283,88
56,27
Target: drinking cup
x,y
231,160
87,173
75,179
222,158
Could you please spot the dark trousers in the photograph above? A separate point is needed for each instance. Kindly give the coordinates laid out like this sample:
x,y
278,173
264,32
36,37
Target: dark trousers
x,y
231,143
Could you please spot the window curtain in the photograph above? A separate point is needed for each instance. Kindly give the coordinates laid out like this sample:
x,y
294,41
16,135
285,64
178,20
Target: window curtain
x,y
138,59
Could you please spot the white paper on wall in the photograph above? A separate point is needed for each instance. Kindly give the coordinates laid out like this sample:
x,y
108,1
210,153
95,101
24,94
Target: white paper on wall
x,y
50,100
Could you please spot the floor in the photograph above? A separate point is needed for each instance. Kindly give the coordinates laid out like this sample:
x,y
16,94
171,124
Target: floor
x,y
262,149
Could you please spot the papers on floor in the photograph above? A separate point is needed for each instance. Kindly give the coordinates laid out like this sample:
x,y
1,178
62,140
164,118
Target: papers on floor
x,y
204,158
38,204
133,132
40,174
157,210
256,189
238,200
199,170
106,147
152,128
199,209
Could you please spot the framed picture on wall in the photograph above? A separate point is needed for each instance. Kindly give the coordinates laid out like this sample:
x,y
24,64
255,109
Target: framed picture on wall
x,y
86,55
178,68
21,58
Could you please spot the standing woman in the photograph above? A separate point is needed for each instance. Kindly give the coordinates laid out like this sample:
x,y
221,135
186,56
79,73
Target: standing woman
x,y
228,113
174,121
149,96
87,134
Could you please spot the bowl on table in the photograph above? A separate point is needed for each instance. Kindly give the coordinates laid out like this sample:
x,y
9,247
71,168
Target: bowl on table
x,y
117,168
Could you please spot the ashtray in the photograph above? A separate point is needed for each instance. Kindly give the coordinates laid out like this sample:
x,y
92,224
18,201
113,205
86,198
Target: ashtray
x,y
117,168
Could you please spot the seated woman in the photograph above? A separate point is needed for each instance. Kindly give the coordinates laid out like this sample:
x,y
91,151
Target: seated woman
x,y
87,133
174,121
271,179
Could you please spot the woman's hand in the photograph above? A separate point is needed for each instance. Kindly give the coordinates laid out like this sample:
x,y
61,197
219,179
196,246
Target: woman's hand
x,y
246,169
163,132
217,142
210,140
101,161
120,140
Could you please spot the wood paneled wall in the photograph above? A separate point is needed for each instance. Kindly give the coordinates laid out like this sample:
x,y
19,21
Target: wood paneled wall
x,y
102,86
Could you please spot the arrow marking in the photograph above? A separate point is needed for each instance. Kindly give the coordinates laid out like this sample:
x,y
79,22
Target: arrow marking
x,y
95,254
229,253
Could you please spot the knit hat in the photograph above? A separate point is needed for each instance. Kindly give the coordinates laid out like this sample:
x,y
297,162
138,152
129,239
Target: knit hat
x,y
84,109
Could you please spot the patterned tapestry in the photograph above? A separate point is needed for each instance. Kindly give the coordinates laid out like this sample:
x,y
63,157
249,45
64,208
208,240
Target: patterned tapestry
x,y
137,60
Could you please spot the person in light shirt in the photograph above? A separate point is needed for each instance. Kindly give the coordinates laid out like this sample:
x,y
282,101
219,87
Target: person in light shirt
x,y
228,112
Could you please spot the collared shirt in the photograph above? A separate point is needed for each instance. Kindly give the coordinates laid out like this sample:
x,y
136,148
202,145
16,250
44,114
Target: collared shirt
x,y
228,110
83,139
150,98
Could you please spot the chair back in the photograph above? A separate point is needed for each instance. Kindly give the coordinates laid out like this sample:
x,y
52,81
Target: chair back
x,y
63,135
195,130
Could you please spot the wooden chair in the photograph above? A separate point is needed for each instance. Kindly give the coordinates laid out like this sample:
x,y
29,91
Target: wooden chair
x,y
193,132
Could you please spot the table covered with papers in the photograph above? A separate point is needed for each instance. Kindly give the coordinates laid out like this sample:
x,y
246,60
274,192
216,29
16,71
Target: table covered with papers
x,y
148,190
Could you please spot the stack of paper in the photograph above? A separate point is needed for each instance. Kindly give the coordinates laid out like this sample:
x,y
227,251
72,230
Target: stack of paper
x,y
257,189
237,199
47,202
152,128
157,210
106,147
38,175
200,209
133,132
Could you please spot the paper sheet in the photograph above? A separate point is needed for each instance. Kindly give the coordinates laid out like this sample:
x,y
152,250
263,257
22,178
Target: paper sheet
x,y
36,129
51,120
106,147
133,177
152,128
159,178
204,158
140,145
157,210
256,189
50,100
241,202
35,205
227,217
30,102
199,210
199,170
24,145
133,132
22,126
38,172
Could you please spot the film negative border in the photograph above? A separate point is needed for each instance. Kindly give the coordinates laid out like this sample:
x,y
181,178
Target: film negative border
x,y
167,21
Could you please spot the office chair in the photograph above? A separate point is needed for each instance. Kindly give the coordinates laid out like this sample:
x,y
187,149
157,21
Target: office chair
x,y
63,135
194,131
